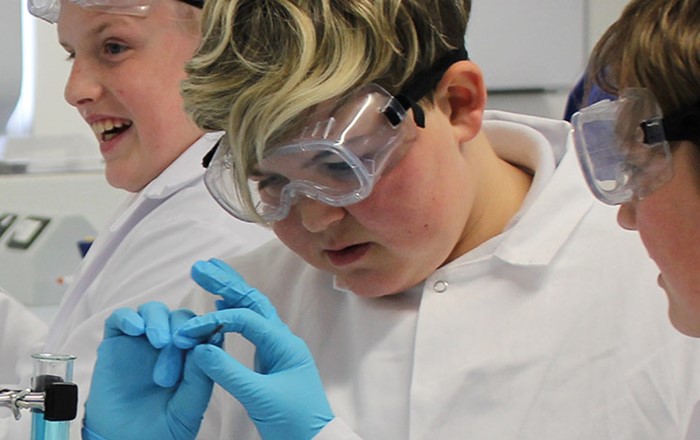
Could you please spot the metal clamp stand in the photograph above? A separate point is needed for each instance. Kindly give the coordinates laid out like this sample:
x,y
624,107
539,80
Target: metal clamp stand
x,y
58,401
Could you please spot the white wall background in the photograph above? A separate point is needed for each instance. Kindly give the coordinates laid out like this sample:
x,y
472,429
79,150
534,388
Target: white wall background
x,y
599,14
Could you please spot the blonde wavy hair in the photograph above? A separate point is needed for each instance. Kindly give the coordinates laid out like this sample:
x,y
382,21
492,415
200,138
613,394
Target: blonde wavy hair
x,y
654,44
264,64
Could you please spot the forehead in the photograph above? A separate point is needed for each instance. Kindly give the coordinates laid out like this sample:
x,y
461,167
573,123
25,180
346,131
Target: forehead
x,y
78,24
76,21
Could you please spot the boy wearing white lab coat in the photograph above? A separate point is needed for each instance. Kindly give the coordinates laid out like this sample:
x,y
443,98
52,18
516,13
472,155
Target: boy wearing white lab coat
x,y
447,268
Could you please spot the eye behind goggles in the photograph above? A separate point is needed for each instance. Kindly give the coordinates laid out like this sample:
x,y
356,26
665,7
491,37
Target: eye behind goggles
x,y
335,160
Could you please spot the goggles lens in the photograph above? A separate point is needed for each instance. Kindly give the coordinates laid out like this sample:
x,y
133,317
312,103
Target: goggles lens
x,y
49,9
622,148
336,159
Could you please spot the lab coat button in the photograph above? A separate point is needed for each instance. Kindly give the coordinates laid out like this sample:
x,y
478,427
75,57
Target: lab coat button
x,y
440,286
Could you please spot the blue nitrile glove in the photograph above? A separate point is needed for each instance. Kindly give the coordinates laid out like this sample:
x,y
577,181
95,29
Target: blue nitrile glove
x,y
157,323
125,403
285,399
219,278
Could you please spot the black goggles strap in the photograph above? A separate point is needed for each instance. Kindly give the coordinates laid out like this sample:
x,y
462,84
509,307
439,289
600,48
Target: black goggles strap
x,y
196,3
684,125
206,160
425,81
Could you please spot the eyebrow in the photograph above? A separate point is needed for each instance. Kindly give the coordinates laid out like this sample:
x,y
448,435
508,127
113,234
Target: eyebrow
x,y
100,28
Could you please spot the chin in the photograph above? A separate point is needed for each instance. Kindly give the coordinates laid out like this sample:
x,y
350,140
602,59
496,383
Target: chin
x,y
366,289
128,182
689,325
115,181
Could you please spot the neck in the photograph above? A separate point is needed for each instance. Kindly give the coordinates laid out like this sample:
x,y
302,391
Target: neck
x,y
502,189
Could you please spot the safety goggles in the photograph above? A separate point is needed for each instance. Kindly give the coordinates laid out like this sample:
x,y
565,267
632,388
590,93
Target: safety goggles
x,y
49,9
623,148
336,159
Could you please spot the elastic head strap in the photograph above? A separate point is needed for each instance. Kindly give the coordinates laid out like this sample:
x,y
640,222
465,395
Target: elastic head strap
x,y
683,125
196,3
206,160
424,82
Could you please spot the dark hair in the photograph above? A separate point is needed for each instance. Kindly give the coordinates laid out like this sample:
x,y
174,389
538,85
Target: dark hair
x,y
654,44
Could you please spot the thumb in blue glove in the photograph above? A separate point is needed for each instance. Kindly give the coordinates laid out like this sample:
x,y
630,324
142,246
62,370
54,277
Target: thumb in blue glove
x,y
287,400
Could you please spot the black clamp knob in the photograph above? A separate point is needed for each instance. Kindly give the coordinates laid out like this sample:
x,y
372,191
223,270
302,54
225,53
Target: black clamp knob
x,y
57,400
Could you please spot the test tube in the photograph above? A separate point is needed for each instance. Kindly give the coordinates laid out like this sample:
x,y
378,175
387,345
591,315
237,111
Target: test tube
x,y
48,369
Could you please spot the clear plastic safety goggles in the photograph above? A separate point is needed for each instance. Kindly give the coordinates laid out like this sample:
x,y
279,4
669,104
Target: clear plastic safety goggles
x,y
335,160
49,9
623,148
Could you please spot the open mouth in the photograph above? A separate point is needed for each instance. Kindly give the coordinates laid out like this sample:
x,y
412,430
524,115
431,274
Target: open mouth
x,y
107,129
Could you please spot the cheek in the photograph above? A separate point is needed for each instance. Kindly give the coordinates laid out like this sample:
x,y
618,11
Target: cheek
x,y
418,200
293,235
285,230
672,238
656,230
403,214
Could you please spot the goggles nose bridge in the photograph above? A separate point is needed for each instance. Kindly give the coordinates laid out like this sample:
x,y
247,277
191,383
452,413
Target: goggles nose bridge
x,y
295,192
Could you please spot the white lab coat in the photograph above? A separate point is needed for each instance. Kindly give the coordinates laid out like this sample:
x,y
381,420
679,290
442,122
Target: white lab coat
x,y
20,328
144,254
553,330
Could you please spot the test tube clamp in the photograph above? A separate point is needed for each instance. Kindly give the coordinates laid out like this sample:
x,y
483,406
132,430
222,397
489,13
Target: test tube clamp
x,y
57,400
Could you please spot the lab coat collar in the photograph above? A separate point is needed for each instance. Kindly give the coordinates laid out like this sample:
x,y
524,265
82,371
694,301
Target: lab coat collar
x,y
184,170
558,198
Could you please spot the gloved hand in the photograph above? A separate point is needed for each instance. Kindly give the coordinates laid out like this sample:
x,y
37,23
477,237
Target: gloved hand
x,y
124,402
157,323
285,399
219,278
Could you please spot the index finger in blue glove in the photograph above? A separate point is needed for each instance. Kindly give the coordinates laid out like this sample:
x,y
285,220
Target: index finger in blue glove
x,y
204,328
168,368
219,278
124,321
156,315
271,340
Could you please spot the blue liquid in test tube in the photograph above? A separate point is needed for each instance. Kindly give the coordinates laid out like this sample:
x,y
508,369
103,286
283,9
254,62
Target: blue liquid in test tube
x,y
50,368
45,430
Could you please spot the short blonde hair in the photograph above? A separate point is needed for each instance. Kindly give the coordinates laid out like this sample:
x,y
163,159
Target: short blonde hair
x,y
654,44
263,64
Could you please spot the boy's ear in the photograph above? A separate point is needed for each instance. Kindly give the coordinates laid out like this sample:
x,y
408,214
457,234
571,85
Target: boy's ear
x,y
461,95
